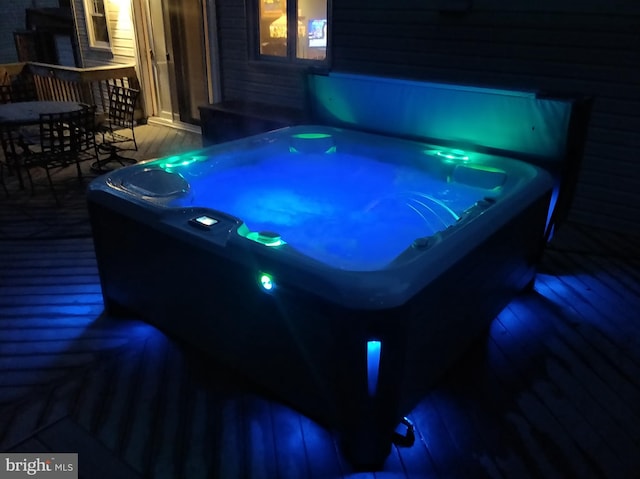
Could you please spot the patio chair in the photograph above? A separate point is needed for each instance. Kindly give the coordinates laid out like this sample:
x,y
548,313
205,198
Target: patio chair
x,y
65,138
21,88
84,135
13,151
117,131
2,168
5,94
7,159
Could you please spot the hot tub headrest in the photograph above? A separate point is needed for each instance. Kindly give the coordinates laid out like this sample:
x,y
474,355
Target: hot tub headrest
x,y
155,182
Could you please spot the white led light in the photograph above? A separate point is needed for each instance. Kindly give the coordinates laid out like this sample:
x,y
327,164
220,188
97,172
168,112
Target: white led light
x,y
206,220
266,281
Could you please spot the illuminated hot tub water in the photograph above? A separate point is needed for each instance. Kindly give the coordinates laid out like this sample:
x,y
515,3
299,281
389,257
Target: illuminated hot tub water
x,y
331,203
343,271
340,209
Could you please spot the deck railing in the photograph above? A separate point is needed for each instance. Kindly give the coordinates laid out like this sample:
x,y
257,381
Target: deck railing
x,y
60,83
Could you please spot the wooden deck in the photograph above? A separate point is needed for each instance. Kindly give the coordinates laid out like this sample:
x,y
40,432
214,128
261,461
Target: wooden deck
x,y
552,391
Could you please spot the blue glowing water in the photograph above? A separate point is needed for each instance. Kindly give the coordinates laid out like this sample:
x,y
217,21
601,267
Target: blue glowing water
x,y
348,211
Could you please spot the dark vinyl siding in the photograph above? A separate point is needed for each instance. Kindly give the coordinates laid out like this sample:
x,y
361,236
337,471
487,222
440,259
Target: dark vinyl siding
x,y
13,18
587,48
243,79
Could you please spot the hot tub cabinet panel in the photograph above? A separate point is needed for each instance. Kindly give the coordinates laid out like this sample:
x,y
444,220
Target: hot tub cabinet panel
x,y
352,348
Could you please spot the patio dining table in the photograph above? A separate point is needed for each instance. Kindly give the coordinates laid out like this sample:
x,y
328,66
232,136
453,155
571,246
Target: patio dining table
x,y
28,112
24,115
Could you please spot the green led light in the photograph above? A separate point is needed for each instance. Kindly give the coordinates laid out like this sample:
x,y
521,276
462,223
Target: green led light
x,y
312,136
266,281
267,239
455,155
181,160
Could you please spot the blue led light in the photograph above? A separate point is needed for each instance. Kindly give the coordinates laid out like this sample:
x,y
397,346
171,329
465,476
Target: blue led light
x,y
374,350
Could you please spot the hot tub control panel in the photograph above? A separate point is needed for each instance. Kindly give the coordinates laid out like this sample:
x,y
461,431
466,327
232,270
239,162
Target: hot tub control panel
x,y
201,225
203,222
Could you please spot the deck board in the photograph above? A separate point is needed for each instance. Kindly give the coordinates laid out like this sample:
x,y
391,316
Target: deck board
x,y
552,391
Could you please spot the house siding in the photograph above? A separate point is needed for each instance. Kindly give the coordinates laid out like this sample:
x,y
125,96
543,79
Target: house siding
x,y
13,18
243,79
121,35
589,48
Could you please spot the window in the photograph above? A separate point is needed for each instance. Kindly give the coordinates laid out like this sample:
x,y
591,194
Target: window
x,y
97,29
293,29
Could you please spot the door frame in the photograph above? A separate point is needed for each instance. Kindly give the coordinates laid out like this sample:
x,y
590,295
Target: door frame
x,y
143,38
143,47
213,49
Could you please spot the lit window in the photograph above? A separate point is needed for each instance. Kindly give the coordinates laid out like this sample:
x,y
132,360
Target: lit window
x,y
304,38
97,28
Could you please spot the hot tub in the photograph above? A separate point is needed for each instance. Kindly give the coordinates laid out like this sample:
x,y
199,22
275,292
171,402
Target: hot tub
x,y
343,271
